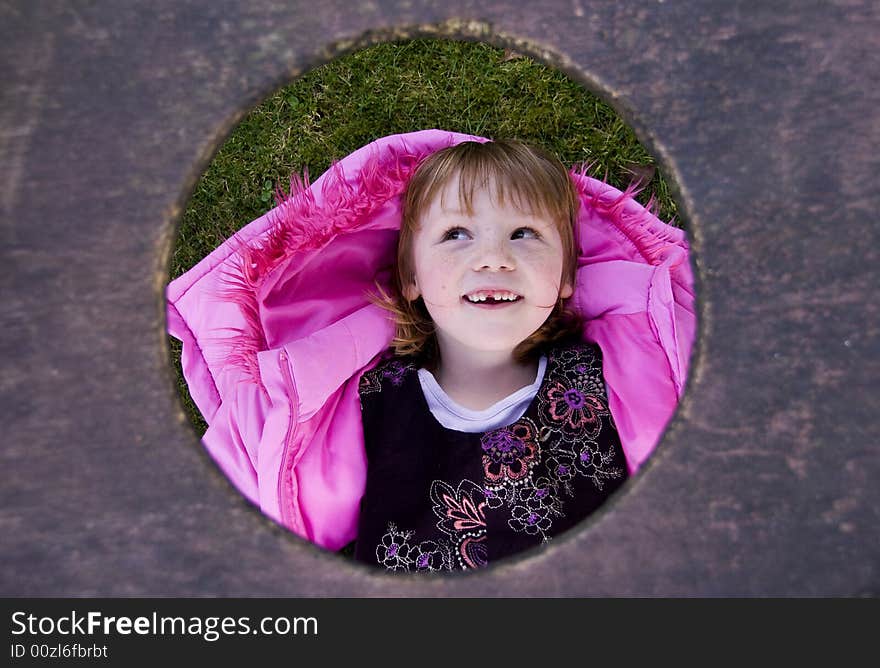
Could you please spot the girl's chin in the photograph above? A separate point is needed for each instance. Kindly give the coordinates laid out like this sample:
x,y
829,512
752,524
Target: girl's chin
x,y
490,343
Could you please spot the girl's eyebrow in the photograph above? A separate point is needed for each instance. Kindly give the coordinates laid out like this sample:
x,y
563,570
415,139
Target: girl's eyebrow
x,y
455,211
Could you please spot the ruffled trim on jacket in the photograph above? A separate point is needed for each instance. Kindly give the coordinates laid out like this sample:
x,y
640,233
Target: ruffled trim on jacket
x,y
309,216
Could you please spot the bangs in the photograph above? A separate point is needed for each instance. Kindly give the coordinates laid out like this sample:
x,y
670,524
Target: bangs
x,y
524,177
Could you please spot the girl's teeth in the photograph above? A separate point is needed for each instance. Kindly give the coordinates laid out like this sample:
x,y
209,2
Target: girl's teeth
x,y
496,296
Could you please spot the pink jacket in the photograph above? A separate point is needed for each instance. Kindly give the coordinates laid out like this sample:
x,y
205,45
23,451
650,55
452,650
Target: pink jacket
x,y
277,331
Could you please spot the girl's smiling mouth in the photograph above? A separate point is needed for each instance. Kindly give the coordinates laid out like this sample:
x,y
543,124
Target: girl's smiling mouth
x,y
491,298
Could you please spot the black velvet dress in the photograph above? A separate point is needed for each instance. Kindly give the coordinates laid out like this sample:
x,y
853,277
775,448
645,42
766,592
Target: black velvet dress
x,y
441,500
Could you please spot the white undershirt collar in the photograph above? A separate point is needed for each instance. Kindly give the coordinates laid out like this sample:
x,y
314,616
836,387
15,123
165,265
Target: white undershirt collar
x,y
458,418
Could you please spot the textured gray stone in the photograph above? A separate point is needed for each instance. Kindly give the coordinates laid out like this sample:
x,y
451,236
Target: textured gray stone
x,y
764,116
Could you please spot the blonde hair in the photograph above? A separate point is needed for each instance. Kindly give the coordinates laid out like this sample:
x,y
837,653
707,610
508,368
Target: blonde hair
x,y
532,180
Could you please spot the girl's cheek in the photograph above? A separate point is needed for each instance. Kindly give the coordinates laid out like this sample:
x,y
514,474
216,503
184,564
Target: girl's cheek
x,y
447,262
547,273
546,263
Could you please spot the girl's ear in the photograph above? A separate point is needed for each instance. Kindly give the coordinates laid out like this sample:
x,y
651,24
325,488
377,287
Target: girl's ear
x,y
566,290
411,292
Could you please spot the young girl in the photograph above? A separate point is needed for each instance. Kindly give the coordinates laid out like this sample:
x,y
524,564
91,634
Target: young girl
x,y
475,420
490,432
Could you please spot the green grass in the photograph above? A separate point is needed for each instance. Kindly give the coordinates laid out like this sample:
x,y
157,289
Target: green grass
x,y
391,88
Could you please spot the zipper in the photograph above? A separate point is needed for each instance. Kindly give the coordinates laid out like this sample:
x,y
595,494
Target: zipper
x,y
286,516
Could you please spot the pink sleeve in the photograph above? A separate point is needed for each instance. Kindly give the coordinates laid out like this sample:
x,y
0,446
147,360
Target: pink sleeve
x,y
234,408
276,326
635,288
312,463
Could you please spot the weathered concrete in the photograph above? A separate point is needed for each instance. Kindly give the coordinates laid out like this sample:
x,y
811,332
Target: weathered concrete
x,y
764,114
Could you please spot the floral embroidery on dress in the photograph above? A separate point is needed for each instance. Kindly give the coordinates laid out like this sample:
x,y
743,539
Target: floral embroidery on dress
x,y
510,452
573,402
531,520
397,554
393,370
595,464
574,411
461,518
458,509
393,551
570,407
430,555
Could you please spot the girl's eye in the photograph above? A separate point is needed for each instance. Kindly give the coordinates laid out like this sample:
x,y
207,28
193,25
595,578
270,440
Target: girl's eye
x,y
525,233
455,234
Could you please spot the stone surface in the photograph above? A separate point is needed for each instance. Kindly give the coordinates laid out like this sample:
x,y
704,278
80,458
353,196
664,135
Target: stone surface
x,y
764,115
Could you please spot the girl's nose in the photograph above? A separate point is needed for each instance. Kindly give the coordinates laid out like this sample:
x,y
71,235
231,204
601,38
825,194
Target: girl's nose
x,y
494,255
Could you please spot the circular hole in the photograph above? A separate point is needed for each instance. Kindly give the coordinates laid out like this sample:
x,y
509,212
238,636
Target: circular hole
x,y
327,114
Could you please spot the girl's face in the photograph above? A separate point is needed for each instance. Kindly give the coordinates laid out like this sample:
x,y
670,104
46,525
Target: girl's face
x,y
489,280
